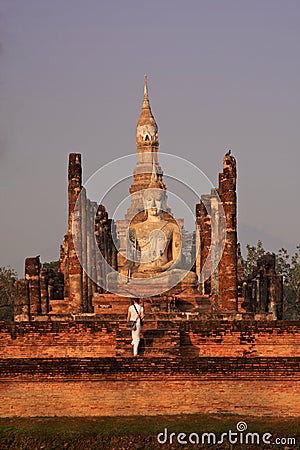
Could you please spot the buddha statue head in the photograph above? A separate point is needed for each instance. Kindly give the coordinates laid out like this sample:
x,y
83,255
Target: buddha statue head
x,y
154,202
155,197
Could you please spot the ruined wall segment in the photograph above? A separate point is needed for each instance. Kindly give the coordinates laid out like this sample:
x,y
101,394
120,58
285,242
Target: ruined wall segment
x,y
82,265
106,239
73,286
263,289
33,295
222,284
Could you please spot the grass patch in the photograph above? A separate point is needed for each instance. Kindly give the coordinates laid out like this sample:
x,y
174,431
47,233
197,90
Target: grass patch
x,y
139,432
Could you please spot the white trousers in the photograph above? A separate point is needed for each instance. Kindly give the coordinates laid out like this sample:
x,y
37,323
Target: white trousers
x,y
136,337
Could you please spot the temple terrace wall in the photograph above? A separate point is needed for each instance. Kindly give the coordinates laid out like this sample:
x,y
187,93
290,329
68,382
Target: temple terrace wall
x,y
169,337
149,386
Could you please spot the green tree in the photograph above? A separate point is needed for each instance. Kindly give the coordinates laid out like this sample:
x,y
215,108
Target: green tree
x,y
254,252
51,265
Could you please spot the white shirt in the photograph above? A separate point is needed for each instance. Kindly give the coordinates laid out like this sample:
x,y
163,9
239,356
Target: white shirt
x,y
133,313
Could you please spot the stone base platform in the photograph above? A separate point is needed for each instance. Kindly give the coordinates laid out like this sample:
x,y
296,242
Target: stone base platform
x,y
185,300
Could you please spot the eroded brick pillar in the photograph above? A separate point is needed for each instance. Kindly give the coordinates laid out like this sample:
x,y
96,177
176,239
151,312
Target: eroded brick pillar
x,y
228,282
91,208
263,289
21,301
276,293
32,274
64,265
270,295
84,231
100,238
94,208
114,252
44,278
105,235
74,227
203,243
98,261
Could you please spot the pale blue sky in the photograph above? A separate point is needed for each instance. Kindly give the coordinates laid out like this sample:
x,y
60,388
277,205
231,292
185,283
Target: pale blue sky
x,y
222,74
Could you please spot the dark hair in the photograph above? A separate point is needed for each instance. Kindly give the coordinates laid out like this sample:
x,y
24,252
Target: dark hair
x,y
137,300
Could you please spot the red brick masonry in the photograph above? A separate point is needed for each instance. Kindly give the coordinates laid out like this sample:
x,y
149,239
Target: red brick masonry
x,y
128,386
107,338
70,368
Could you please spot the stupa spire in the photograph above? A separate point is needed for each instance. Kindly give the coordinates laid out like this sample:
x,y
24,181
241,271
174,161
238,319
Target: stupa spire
x,y
147,172
145,88
147,129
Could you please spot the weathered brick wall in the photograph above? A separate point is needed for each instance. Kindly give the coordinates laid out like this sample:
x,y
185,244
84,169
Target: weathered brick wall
x,y
106,398
95,338
240,338
57,339
127,386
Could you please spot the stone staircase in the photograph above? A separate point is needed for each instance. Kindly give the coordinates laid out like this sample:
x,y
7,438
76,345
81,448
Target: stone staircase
x,y
157,340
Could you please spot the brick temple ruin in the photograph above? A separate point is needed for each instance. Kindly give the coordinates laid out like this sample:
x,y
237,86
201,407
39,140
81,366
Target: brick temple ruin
x,y
73,291
213,332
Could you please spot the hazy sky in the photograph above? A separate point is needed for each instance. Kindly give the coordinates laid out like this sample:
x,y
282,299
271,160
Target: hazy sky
x,y
222,74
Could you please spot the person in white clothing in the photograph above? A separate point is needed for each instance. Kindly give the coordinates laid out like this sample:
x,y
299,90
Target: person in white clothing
x,y
136,313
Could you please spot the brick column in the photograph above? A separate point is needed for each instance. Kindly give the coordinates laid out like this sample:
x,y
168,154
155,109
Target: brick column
x,y
203,238
228,283
21,301
74,225
44,277
64,264
93,259
32,274
99,232
84,224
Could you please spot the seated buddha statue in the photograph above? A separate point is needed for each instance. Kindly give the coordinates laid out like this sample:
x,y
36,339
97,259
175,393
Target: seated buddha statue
x,y
154,245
